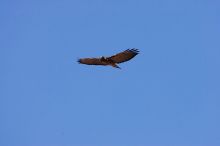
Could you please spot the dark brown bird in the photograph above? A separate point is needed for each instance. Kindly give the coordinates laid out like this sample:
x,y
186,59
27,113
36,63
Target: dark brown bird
x,y
112,60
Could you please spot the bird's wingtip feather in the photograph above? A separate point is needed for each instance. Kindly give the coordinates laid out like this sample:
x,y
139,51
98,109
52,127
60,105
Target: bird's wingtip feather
x,y
79,60
134,50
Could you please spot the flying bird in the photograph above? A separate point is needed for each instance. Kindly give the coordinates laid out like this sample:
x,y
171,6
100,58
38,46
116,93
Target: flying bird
x,y
112,60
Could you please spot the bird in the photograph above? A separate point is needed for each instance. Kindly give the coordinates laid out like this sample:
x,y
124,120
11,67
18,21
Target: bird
x,y
113,60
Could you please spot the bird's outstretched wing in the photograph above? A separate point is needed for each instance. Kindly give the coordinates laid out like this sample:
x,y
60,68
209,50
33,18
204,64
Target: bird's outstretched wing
x,y
125,55
91,61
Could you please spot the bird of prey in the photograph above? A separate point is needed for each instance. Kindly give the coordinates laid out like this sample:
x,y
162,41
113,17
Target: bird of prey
x,y
112,60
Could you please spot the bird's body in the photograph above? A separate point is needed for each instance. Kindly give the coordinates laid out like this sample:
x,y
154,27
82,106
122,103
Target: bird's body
x,y
109,61
112,60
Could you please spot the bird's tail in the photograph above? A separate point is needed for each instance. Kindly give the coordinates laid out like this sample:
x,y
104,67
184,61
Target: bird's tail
x,y
115,65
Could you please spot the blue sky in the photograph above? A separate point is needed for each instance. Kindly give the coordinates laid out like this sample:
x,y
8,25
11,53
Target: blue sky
x,y
167,96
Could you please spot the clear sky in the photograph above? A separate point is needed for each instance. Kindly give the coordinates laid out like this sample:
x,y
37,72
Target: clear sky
x,y
169,95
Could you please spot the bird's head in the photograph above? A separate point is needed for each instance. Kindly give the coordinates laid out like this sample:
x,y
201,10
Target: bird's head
x,y
103,58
